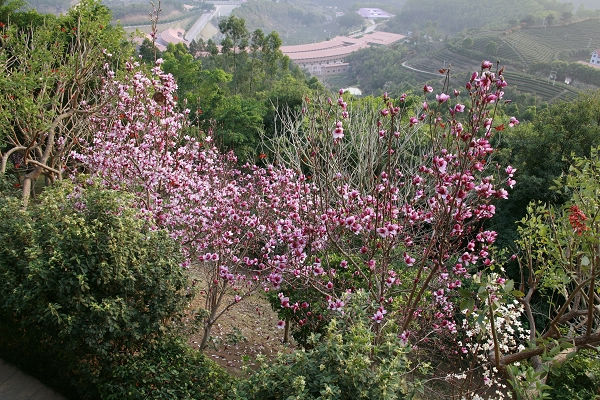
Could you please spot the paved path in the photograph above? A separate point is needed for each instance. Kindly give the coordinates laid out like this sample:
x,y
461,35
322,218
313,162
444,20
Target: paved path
x,y
221,10
15,385
419,70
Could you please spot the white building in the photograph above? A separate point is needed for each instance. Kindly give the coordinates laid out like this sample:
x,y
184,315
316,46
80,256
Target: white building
x,y
595,60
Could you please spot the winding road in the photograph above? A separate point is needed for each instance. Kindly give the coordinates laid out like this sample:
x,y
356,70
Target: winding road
x,y
418,70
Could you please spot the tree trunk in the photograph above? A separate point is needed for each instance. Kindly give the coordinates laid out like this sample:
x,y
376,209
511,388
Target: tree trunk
x,y
206,335
286,331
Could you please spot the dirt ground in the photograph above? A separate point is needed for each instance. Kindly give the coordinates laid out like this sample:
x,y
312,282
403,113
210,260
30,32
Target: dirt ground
x,y
245,331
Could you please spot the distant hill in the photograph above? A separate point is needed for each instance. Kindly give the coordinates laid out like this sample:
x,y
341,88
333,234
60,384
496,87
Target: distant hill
x,y
541,44
126,11
50,6
305,21
458,15
589,4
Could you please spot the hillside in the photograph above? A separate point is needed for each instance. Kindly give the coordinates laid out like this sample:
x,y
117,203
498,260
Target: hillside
x,y
524,46
306,21
416,15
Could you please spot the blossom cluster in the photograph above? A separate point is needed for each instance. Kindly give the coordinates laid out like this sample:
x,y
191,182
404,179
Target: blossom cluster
x,y
248,226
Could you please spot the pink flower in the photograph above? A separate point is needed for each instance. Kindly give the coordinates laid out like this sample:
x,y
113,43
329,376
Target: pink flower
x,y
442,97
491,98
513,121
413,121
427,89
371,264
486,64
378,316
338,132
404,337
280,324
459,108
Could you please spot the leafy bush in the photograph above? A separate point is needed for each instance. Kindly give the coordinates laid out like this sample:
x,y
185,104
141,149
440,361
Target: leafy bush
x,y
347,362
86,285
85,268
313,315
167,369
577,379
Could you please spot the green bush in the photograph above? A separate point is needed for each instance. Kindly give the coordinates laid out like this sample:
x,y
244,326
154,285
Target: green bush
x,y
347,362
84,267
89,289
314,319
167,369
576,379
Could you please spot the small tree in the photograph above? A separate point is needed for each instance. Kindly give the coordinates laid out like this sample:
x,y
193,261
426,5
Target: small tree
x,y
560,262
401,194
49,83
240,227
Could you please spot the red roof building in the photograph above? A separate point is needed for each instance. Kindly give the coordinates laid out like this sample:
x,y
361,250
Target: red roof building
x,y
325,58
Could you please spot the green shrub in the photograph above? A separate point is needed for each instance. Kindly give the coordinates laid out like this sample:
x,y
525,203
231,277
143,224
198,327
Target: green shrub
x,y
314,319
84,267
576,379
167,369
347,362
89,289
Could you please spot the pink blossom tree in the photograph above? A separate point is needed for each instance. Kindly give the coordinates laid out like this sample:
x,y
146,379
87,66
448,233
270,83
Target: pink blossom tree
x,y
240,226
402,195
402,201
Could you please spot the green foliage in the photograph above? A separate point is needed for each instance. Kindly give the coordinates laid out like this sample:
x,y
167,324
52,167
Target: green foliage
x,y
86,269
179,62
85,280
239,122
236,94
346,362
314,319
577,379
541,151
528,384
378,69
167,369
50,70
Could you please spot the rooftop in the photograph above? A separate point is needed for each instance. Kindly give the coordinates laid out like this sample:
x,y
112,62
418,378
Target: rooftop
x,y
339,46
171,35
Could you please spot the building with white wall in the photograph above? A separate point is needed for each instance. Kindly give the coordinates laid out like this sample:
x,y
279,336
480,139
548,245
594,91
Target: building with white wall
x,y
595,60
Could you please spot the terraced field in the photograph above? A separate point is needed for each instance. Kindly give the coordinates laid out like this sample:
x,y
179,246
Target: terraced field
x,y
462,66
542,88
530,49
504,50
540,45
444,58
519,50
584,35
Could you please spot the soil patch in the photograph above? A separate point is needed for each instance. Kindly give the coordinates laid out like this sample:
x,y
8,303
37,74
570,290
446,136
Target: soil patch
x,y
247,330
